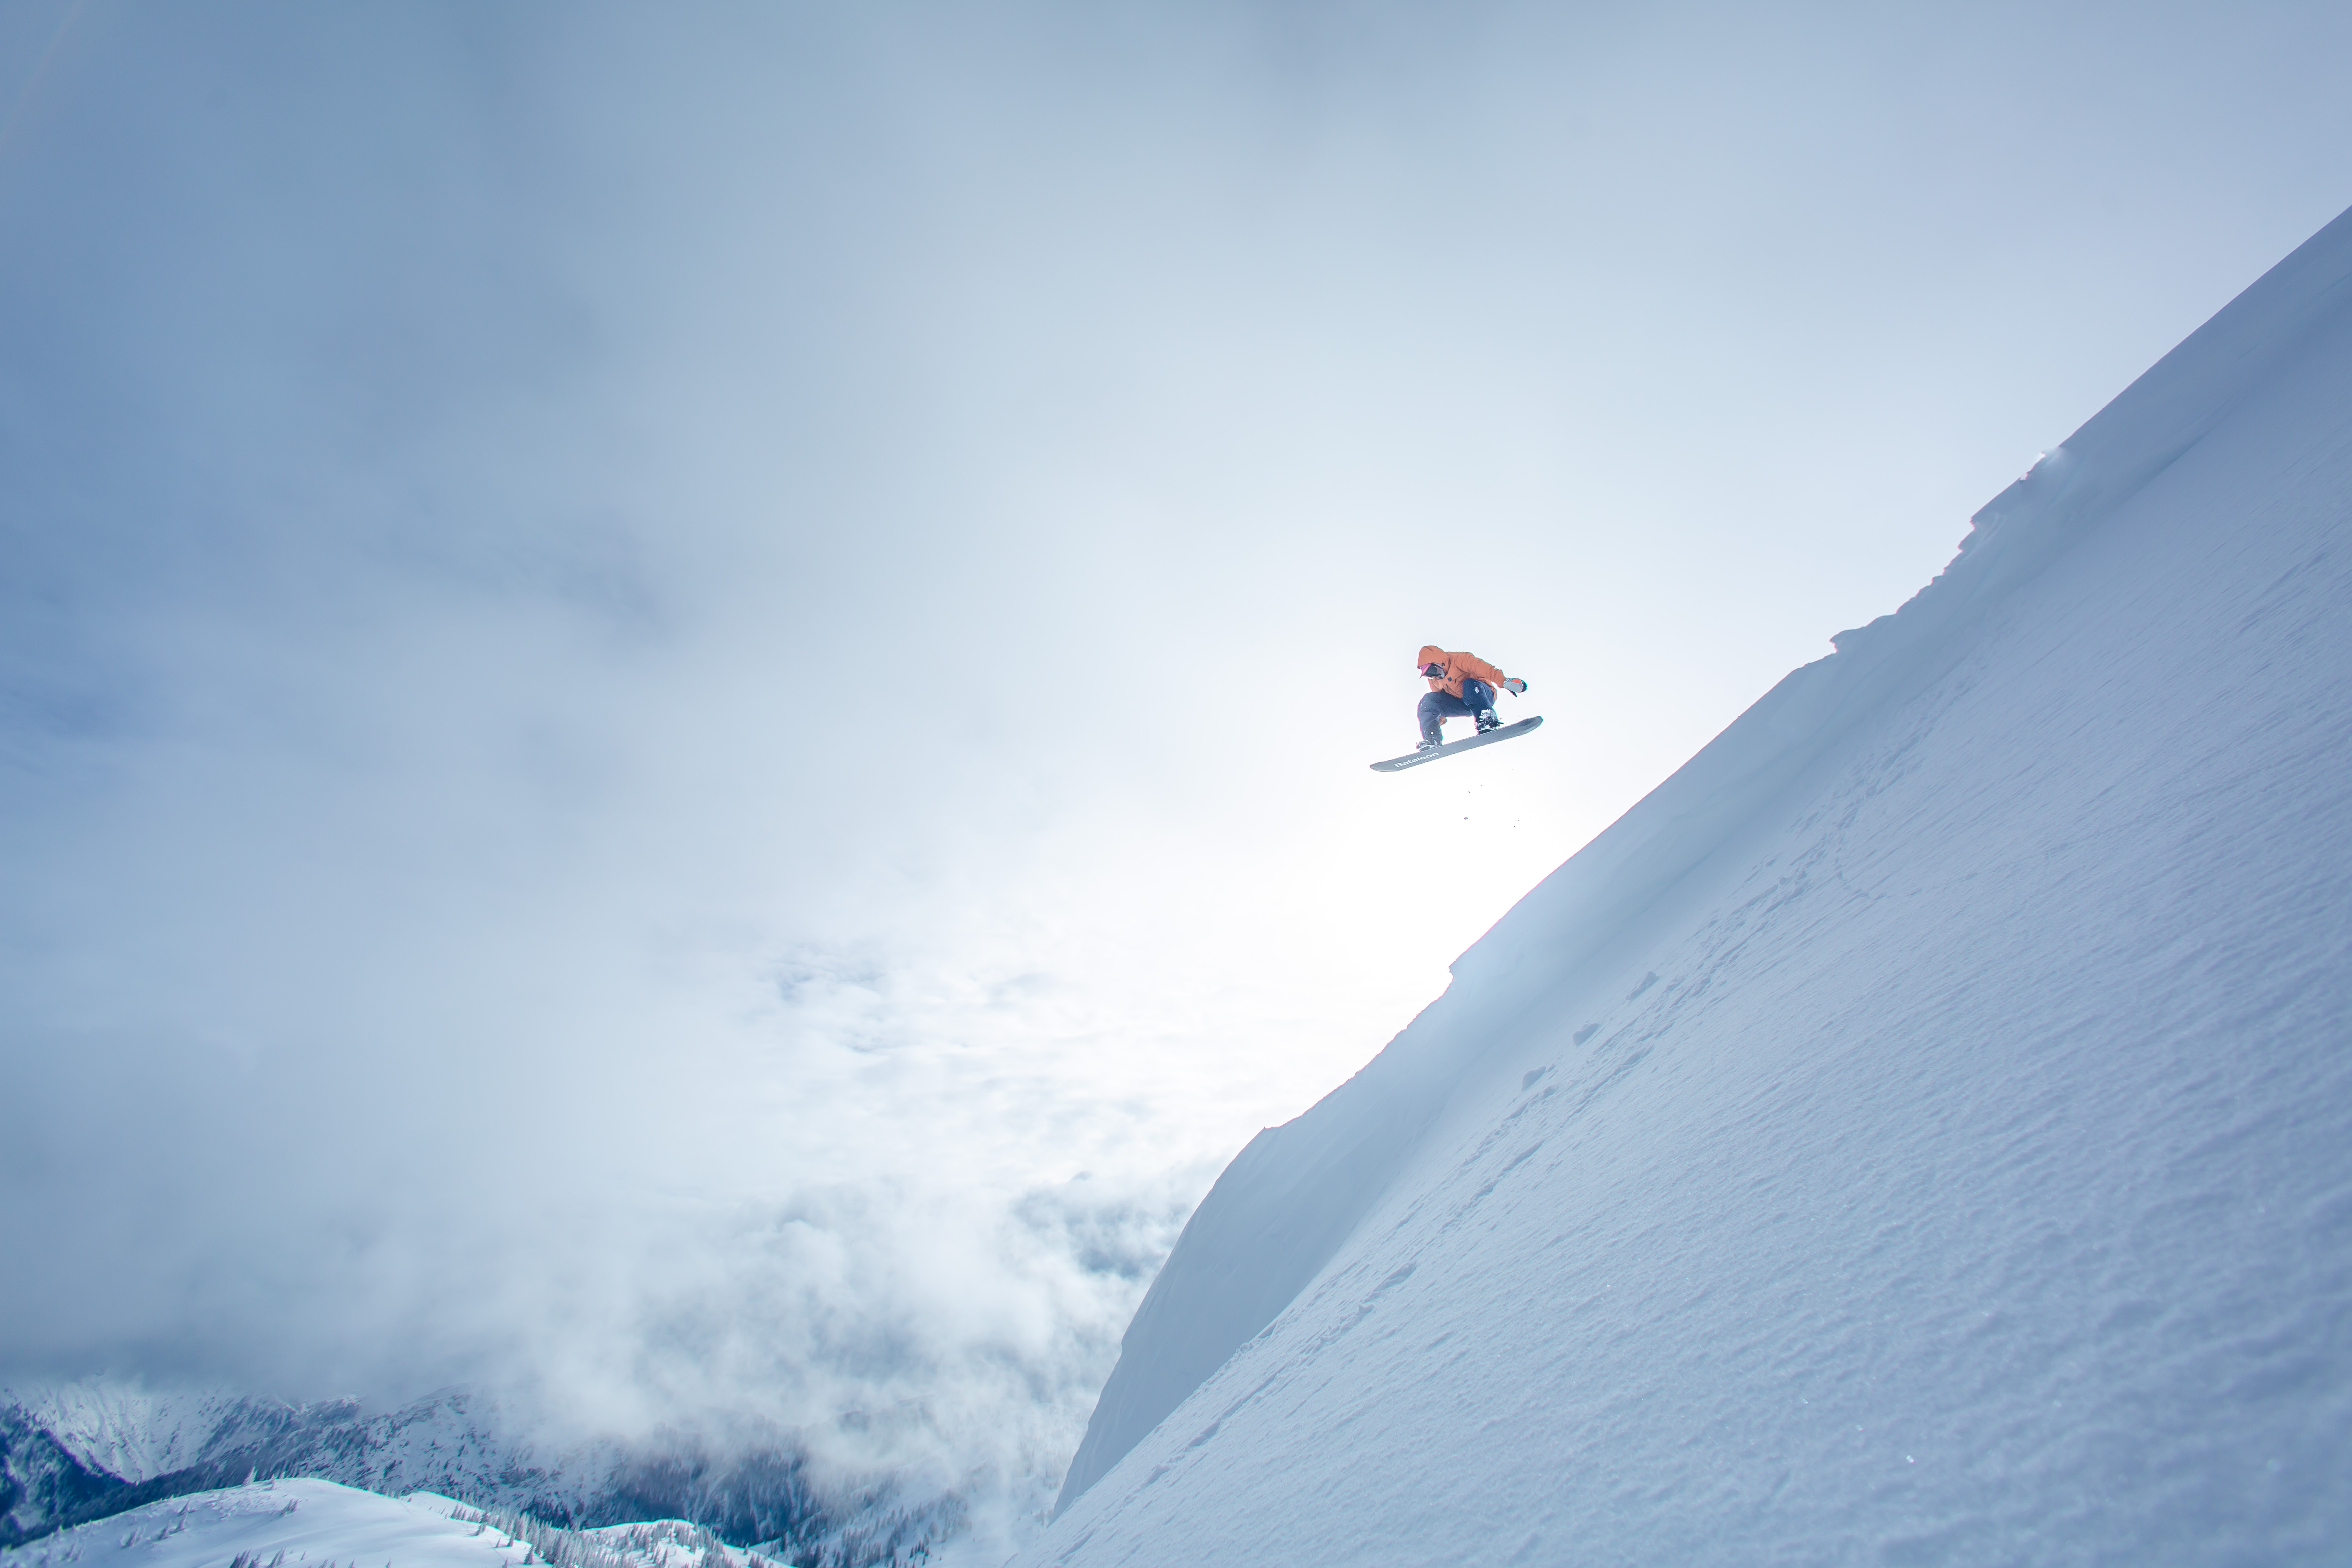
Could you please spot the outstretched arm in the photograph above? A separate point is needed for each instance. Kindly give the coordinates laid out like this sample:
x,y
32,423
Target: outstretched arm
x,y
1470,664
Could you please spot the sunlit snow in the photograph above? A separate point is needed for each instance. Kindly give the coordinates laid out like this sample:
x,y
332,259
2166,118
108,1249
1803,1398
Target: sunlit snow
x,y
1920,1130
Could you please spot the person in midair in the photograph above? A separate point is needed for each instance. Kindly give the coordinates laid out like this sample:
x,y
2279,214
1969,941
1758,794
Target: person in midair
x,y
1460,685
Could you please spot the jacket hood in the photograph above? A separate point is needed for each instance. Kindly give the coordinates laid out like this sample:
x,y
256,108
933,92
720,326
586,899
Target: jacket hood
x,y
1430,654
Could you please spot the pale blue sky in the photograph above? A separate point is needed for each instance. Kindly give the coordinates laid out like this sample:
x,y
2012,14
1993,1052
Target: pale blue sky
x,y
626,630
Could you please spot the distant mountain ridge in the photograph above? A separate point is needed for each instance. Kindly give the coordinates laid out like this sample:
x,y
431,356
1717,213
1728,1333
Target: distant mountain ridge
x,y
83,1451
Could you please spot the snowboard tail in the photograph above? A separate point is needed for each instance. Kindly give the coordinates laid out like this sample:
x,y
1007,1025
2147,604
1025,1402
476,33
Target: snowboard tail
x,y
1508,731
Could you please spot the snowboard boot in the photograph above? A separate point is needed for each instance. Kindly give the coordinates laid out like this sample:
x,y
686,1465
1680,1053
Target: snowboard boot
x,y
1486,721
1426,746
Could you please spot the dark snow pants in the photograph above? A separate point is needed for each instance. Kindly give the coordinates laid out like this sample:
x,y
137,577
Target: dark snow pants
x,y
1439,706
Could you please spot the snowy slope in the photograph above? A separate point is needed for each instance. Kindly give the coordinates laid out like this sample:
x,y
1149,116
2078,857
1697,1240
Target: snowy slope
x,y
1921,1128
91,1449
315,1524
129,1430
302,1523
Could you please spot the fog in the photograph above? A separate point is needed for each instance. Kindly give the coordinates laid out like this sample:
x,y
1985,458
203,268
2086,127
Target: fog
x,y
687,692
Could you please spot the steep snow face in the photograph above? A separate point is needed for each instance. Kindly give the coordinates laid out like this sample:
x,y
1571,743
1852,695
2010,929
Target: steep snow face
x,y
1921,1128
128,1430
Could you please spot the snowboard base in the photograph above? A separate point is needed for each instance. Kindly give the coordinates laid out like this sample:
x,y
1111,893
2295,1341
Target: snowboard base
x,y
1505,733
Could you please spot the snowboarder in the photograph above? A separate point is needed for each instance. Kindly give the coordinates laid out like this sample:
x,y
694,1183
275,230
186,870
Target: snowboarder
x,y
1460,685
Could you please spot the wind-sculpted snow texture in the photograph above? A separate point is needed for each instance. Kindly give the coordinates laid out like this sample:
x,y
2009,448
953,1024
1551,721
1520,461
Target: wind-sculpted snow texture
x,y
1920,1130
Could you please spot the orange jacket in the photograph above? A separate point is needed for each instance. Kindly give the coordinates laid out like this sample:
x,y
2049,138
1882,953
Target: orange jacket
x,y
1459,666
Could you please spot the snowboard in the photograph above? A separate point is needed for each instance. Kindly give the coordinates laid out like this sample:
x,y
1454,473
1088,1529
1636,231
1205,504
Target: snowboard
x,y
1508,732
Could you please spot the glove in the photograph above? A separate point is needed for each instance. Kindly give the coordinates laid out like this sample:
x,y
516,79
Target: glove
x,y
1517,688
